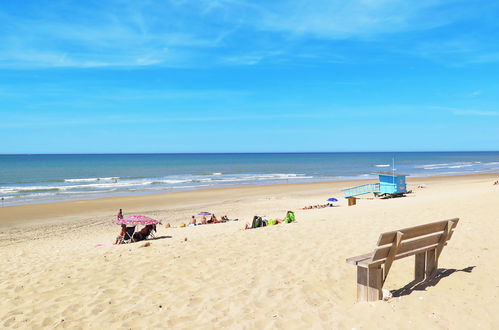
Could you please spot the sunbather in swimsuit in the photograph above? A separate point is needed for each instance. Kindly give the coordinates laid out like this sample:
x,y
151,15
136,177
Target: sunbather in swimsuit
x,y
121,235
143,233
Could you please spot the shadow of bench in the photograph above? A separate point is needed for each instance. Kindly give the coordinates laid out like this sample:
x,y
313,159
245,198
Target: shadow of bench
x,y
423,285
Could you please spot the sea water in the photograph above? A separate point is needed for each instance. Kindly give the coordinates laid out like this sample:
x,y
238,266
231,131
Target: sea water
x,y
26,179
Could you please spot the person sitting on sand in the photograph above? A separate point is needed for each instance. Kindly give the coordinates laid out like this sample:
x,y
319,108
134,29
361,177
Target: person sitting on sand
x,y
193,221
203,220
143,233
213,219
224,218
121,234
119,215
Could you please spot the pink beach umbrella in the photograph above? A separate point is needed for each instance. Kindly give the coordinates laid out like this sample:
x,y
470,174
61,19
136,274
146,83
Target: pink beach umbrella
x,y
137,220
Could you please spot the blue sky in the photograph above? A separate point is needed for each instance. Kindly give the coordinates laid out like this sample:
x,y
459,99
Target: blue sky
x,y
248,76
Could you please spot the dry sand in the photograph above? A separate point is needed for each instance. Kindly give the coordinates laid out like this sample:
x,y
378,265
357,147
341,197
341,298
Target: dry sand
x,y
290,276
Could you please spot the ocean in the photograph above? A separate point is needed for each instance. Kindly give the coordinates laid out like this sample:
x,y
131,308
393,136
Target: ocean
x,y
27,179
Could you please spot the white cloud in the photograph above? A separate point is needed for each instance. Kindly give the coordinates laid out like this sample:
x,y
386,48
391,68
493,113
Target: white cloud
x,y
351,19
476,113
467,112
216,32
103,35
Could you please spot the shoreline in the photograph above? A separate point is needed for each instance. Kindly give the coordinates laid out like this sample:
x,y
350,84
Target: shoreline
x,y
41,179
19,214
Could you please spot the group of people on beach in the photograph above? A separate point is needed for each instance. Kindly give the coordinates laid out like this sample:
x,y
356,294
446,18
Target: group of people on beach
x,y
126,233
319,206
205,221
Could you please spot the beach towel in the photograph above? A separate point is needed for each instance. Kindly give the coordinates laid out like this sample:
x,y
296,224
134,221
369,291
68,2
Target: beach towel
x,y
103,244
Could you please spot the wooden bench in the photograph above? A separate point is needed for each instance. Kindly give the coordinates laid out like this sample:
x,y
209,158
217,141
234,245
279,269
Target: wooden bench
x,y
425,242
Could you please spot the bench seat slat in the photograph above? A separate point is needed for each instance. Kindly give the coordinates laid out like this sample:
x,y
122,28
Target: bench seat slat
x,y
370,263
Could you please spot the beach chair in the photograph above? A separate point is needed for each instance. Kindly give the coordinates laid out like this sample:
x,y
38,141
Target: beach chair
x,y
425,242
151,235
128,235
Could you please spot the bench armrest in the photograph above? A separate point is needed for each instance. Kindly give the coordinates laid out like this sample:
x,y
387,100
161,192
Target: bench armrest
x,y
357,259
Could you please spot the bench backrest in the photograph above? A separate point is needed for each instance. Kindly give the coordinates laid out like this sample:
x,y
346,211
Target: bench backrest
x,y
410,241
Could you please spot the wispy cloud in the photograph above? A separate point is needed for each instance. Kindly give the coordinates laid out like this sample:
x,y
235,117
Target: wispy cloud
x,y
352,19
476,113
467,112
184,33
114,33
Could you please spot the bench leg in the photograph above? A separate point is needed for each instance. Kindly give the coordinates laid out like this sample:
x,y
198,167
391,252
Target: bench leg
x,y
420,267
375,291
431,263
369,284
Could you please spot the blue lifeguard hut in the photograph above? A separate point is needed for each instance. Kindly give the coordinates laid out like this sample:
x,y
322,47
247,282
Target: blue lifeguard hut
x,y
390,184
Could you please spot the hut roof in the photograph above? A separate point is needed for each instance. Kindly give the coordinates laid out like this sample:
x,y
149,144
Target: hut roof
x,y
391,173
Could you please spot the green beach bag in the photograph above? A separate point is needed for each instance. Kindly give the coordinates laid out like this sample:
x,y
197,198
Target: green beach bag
x,y
290,217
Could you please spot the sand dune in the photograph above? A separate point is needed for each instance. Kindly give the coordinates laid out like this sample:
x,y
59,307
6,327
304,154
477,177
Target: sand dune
x,y
290,276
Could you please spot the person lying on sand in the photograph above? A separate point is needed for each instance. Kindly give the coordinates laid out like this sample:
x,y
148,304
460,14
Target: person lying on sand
x,y
319,206
143,233
256,223
259,222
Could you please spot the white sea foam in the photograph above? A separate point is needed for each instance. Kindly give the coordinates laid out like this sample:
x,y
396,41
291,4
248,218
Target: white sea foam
x,y
448,166
430,165
382,165
92,179
10,190
460,166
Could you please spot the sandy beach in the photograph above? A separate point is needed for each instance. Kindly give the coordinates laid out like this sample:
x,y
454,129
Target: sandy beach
x,y
289,276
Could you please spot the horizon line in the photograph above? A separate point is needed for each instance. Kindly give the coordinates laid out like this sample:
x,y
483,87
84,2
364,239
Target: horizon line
x,y
229,153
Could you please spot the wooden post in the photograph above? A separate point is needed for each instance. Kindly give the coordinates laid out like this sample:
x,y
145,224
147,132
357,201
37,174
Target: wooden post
x,y
361,284
392,253
431,262
419,266
444,237
374,291
369,284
